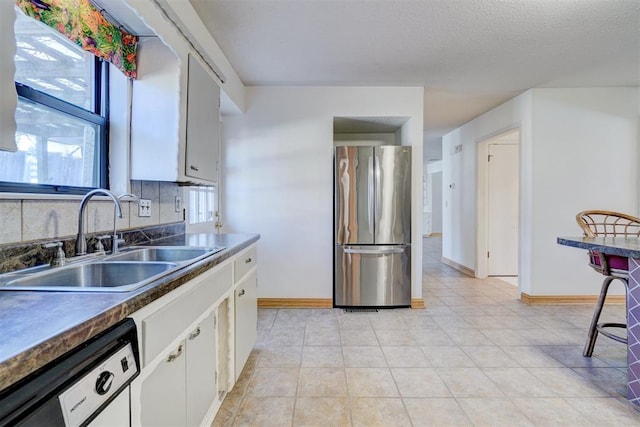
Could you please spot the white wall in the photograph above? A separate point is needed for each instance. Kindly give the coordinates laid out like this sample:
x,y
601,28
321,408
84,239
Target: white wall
x,y
278,160
120,91
459,177
436,202
578,151
585,156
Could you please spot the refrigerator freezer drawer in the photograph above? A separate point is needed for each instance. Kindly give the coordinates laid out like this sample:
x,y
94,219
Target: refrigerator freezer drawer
x,y
373,276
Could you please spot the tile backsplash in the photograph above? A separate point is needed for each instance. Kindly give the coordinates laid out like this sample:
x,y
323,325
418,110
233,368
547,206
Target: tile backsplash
x,y
16,256
30,220
10,212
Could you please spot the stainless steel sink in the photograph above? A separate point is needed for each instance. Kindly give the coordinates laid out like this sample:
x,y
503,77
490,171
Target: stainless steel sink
x,y
163,253
94,277
6,277
125,271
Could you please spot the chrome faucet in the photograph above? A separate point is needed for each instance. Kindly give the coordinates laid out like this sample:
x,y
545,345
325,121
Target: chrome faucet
x,y
129,195
81,243
117,240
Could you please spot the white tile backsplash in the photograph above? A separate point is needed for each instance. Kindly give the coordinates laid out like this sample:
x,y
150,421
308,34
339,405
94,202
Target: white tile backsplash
x,y
11,230
148,190
168,193
48,219
100,214
32,219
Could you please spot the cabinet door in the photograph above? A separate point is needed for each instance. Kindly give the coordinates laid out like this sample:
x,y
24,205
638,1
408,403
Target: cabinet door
x,y
163,392
201,370
155,112
224,341
203,127
246,299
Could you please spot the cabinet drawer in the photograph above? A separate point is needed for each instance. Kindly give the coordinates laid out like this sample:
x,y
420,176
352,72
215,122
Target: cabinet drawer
x,y
163,326
245,263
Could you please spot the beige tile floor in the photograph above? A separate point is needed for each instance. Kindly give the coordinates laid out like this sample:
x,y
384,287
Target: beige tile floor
x,y
474,356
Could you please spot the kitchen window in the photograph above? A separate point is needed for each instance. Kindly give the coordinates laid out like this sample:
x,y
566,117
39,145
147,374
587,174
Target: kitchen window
x,y
61,115
202,212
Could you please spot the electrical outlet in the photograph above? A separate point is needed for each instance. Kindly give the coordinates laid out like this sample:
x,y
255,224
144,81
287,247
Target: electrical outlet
x,y
178,203
144,208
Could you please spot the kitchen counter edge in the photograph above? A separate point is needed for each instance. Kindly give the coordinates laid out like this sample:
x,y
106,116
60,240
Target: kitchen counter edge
x,y
27,361
622,246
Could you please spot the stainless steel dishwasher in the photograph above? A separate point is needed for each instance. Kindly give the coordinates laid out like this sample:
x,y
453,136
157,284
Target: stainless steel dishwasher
x,y
89,385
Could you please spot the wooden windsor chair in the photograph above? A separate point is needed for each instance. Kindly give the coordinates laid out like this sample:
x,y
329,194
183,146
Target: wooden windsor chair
x,y
600,223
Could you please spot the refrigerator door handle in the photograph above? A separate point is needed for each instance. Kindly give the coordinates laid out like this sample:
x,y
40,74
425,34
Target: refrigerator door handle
x,y
374,251
370,194
378,189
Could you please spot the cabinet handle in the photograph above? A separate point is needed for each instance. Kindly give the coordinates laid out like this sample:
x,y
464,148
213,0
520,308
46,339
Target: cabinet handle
x,y
174,356
195,333
193,168
241,293
247,261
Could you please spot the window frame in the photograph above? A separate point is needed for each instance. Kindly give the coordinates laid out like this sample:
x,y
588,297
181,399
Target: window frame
x,y
99,116
202,226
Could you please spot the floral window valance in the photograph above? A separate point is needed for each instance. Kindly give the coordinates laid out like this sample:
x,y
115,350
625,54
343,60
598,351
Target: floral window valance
x,y
84,25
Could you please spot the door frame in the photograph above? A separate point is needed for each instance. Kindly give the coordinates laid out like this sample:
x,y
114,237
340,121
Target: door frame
x,y
482,205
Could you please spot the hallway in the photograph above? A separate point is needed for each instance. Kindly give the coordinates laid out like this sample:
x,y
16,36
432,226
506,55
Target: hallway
x,y
475,356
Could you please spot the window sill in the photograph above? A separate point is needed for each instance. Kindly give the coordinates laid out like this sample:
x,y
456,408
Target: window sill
x,y
36,196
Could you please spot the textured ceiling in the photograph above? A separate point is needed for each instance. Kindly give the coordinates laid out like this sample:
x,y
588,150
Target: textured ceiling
x,y
470,55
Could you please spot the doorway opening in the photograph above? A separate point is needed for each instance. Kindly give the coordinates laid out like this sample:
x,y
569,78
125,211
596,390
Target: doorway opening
x,y
432,198
498,207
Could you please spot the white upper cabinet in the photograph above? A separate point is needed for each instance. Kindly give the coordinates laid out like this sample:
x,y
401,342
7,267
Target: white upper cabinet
x,y
174,117
155,113
203,129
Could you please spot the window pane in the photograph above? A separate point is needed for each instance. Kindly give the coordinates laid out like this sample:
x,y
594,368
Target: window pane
x,y
201,204
53,148
49,62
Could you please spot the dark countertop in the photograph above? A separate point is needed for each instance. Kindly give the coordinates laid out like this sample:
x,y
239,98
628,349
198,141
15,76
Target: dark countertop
x,y
622,246
36,327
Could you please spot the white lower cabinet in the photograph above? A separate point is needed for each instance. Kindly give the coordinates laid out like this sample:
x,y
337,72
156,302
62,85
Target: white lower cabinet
x,y
246,330
183,387
194,342
201,377
163,392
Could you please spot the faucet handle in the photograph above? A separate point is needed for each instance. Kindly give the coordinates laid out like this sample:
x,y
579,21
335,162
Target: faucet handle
x,y
59,258
99,246
117,241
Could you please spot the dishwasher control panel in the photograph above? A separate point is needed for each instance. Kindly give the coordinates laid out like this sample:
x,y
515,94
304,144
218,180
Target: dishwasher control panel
x,y
100,385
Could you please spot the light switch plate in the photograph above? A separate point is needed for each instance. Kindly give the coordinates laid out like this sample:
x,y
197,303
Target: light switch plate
x,y
144,208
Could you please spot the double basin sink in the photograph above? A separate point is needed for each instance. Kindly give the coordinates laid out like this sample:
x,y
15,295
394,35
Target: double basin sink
x,y
124,271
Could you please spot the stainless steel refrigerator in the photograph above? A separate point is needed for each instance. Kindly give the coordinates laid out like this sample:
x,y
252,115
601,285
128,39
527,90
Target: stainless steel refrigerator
x,y
372,219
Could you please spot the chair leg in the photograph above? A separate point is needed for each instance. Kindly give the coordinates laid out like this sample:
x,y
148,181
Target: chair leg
x,y
593,329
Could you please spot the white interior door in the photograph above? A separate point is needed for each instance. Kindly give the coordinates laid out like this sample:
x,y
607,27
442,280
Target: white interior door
x,y
503,210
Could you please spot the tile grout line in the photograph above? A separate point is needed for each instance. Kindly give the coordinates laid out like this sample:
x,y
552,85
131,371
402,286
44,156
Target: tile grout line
x,y
540,338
